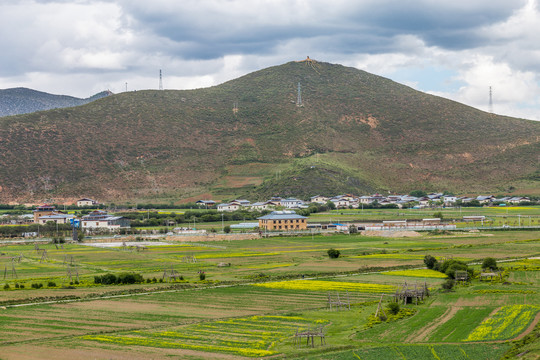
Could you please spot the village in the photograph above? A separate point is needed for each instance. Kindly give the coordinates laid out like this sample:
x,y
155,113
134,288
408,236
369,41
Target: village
x,y
274,215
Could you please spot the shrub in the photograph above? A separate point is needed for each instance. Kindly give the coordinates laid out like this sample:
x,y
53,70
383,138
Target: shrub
x,y
123,278
333,253
449,267
430,261
489,263
227,229
108,279
17,285
448,284
353,229
36,285
6,287
51,284
202,276
393,308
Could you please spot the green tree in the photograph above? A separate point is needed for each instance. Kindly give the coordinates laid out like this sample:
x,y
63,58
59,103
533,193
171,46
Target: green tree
x,y
418,193
489,263
430,261
333,253
227,229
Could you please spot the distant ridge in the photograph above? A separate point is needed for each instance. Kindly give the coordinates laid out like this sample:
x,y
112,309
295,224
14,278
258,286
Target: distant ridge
x,y
354,133
21,100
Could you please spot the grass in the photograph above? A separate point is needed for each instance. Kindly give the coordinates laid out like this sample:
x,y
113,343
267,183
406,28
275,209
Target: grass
x,y
268,300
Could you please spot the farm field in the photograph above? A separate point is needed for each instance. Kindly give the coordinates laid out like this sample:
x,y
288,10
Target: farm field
x,y
257,294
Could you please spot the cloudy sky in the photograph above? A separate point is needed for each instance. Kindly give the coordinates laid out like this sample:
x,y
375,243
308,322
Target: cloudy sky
x,y
456,49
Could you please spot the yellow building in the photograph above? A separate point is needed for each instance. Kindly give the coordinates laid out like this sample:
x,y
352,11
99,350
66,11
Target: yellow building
x,y
283,220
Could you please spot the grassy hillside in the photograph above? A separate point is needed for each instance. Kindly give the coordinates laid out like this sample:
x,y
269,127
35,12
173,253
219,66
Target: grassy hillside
x,y
356,132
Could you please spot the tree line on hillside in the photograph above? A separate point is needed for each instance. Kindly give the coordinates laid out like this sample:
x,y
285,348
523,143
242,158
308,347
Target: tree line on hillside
x,y
154,218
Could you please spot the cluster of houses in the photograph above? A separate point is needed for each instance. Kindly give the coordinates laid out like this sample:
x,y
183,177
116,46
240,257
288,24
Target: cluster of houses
x,y
95,220
355,202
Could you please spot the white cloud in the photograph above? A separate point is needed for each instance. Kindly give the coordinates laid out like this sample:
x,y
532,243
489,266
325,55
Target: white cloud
x,y
86,46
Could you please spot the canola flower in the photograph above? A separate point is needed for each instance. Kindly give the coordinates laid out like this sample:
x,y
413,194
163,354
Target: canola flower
x,y
128,341
425,273
247,337
319,285
506,323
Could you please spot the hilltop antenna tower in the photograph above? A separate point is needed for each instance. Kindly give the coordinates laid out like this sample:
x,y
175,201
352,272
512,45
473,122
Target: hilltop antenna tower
x,y
160,81
299,97
490,101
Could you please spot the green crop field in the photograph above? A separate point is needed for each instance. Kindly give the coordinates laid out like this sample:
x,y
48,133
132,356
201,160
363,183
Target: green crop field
x,y
257,294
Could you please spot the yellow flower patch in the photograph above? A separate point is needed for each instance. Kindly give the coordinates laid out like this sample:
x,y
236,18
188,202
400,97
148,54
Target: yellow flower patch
x,y
242,336
319,285
506,323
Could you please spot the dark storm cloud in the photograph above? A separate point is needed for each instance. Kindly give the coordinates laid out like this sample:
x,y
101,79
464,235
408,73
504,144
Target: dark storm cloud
x,y
211,29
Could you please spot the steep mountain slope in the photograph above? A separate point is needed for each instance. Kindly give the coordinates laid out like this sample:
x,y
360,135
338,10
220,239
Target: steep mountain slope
x,y
22,101
355,132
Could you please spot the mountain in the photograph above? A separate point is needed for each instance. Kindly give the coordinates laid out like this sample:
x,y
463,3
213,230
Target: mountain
x,y
22,101
356,132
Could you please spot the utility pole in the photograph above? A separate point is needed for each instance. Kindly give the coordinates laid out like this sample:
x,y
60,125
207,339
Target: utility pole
x,y
222,224
490,101
299,96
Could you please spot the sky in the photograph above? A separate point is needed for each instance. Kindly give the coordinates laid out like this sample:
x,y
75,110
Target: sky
x,y
456,49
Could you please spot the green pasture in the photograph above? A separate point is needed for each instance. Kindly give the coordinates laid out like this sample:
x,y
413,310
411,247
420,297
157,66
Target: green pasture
x,y
244,319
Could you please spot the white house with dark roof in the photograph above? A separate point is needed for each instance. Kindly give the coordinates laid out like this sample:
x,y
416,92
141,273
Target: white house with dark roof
x,y
206,203
292,203
232,206
86,202
264,205
485,199
57,218
102,220
319,199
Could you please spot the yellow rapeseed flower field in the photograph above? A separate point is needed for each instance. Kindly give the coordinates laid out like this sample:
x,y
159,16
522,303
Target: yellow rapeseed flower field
x,y
506,323
320,285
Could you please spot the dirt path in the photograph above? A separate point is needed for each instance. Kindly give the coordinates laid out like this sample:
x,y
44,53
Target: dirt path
x,y
423,333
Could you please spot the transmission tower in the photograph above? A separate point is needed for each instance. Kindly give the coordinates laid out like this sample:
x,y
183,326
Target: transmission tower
x,y
490,101
299,97
160,81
